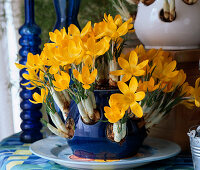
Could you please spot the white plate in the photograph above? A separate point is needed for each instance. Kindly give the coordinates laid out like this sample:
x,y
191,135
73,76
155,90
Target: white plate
x,y
56,149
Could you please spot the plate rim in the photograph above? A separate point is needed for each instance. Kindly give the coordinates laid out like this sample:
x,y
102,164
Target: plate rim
x,y
125,161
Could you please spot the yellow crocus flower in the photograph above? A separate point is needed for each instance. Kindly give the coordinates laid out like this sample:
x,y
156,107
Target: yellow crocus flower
x,y
33,78
51,51
147,85
115,27
99,30
197,92
112,28
96,48
117,20
179,79
61,81
165,72
71,53
167,87
186,90
140,51
131,68
33,62
113,114
58,37
64,55
73,30
129,98
86,78
176,81
162,56
39,98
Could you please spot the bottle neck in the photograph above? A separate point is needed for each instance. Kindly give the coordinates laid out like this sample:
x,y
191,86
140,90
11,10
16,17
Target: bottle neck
x,y
29,11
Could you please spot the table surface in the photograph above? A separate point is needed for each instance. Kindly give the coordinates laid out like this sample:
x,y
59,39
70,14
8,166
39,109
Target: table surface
x,y
15,155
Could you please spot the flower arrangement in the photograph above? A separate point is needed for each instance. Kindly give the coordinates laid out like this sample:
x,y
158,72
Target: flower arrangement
x,y
78,62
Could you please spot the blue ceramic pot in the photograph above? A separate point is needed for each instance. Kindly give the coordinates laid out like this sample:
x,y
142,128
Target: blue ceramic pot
x,y
90,141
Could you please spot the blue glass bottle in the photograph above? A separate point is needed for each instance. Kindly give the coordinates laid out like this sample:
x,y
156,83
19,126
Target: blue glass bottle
x,y
30,42
67,12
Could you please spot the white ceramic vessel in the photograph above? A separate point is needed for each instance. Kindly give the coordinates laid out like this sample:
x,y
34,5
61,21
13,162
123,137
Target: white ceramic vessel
x,y
182,33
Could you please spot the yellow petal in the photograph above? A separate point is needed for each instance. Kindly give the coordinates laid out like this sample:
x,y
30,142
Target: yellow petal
x,y
73,30
113,114
130,20
37,97
118,20
151,81
133,85
57,77
58,89
197,93
197,83
93,76
139,72
30,88
76,73
56,84
133,59
26,76
107,109
115,35
123,63
142,64
53,69
85,73
139,96
172,74
86,86
126,77
91,44
44,92
170,67
20,66
25,84
197,103
63,32
65,76
123,87
105,17
86,29
53,35
123,29
102,46
136,109
117,100
34,102
117,72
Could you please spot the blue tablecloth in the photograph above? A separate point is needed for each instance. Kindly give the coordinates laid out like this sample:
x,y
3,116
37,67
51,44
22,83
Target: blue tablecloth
x,y
15,155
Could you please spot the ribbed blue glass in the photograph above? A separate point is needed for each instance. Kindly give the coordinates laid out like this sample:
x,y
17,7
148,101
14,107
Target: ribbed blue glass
x,y
29,42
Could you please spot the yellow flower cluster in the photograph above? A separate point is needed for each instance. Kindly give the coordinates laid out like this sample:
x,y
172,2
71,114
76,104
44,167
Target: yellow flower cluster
x,y
112,28
155,71
72,49
156,63
119,103
145,76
